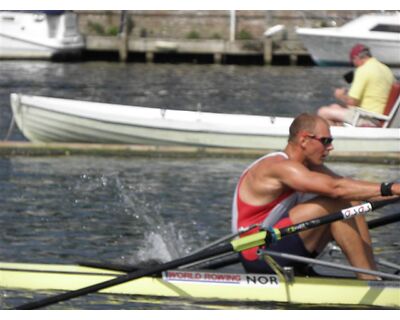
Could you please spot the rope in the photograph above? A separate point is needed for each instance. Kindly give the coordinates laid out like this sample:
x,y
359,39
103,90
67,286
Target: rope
x,y
10,129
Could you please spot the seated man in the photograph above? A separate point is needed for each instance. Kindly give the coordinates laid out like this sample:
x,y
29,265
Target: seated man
x,y
292,186
369,90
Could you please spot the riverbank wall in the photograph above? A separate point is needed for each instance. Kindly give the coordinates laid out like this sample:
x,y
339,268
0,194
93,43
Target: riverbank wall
x,y
215,36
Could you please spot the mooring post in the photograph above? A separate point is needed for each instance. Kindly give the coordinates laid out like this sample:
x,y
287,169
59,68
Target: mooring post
x,y
123,37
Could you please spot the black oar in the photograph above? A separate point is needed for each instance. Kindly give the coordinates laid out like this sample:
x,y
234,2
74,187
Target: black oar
x,y
383,221
254,240
341,215
220,263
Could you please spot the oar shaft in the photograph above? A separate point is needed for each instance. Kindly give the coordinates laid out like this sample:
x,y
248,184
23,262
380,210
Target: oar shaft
x,y
378,222
127,277
344,214
217,262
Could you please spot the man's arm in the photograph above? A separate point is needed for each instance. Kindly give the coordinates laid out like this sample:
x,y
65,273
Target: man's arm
x,y
341,95
298,177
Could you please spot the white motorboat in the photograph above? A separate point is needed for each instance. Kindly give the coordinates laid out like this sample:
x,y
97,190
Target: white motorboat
x,y
44,119
38,34
331,46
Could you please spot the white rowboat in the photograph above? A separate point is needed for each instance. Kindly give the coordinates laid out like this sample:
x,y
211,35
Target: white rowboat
x,y
44,119
206,285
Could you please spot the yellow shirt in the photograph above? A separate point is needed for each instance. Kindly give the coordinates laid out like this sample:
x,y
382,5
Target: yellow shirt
x,y
371,86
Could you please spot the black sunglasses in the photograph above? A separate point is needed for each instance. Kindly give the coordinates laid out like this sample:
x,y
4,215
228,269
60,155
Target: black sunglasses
x,y
326,141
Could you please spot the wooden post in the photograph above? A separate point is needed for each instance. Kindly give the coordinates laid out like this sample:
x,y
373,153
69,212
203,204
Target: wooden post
x,y
217,57
123,38
149,56
123,47
268,51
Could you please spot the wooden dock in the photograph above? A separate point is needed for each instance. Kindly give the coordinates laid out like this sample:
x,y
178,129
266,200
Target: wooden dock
x,y
265,51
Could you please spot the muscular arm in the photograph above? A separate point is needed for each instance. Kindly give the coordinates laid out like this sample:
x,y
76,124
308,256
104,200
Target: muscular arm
x,y
324,182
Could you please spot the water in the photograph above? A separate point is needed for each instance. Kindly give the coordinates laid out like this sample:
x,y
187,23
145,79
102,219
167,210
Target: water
x,y
128,210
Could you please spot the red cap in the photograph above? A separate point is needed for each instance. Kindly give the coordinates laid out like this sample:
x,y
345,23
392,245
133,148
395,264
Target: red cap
x,y
356,50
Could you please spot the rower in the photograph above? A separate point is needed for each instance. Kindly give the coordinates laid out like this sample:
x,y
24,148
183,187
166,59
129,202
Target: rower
x,y
294,185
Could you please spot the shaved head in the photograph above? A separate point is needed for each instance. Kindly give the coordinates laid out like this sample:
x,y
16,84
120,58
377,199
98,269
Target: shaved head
x,y
304,122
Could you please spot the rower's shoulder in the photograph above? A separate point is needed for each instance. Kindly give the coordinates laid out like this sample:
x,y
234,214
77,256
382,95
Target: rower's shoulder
x,y
273,163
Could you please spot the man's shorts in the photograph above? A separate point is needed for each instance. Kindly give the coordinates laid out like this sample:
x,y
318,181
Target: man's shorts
x,y
363,121
291,244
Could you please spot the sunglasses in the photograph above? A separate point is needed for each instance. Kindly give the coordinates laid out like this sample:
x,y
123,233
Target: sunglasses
x,y
326,141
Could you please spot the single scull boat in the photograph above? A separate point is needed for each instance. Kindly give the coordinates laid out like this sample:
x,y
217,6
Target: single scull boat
x,y
207,285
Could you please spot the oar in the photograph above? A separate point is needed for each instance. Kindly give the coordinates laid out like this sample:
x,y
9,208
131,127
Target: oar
x,y
222,262
146,264
255,240
341,215
379,222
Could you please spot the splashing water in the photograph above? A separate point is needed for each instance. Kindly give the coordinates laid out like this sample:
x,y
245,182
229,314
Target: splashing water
x,y
161,242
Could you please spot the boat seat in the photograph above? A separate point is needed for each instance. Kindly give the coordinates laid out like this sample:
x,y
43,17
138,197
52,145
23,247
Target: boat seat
x,y
390,117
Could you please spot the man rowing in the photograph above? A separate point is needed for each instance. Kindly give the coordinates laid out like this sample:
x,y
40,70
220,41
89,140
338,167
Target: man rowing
x,y
292,186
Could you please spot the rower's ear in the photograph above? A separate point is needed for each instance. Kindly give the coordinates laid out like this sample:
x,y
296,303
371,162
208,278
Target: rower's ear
x,y
302,138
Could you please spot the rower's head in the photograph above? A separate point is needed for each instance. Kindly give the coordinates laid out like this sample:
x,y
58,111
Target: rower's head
x,y
359,54
310,135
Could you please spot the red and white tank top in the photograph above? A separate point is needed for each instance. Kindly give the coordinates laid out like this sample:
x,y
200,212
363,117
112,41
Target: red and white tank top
x,y
268,215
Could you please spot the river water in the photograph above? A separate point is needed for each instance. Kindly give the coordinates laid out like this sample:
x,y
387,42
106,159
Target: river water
x,y
128,210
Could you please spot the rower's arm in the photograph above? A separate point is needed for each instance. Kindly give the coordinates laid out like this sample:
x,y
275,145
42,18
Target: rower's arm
x,y
298,177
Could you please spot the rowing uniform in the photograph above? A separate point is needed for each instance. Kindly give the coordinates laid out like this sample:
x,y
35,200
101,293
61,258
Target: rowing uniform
x,y
273,214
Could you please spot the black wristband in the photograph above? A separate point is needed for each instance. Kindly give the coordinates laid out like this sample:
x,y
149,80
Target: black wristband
x,y
386,189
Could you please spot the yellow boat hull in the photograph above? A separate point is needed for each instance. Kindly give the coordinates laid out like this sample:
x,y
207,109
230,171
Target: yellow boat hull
x,y
206,285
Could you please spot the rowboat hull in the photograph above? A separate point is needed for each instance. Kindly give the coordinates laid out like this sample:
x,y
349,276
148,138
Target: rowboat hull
x,y
206,285
43,119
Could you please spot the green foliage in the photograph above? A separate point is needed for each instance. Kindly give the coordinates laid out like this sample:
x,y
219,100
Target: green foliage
x,y
244,35
193,35
216,36
112,31
96,28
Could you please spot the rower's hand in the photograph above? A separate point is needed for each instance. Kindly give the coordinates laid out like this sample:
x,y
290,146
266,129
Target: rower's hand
x,y
396,189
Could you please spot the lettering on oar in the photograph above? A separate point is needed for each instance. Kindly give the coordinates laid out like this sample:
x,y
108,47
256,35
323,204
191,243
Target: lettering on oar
x,y
356,210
